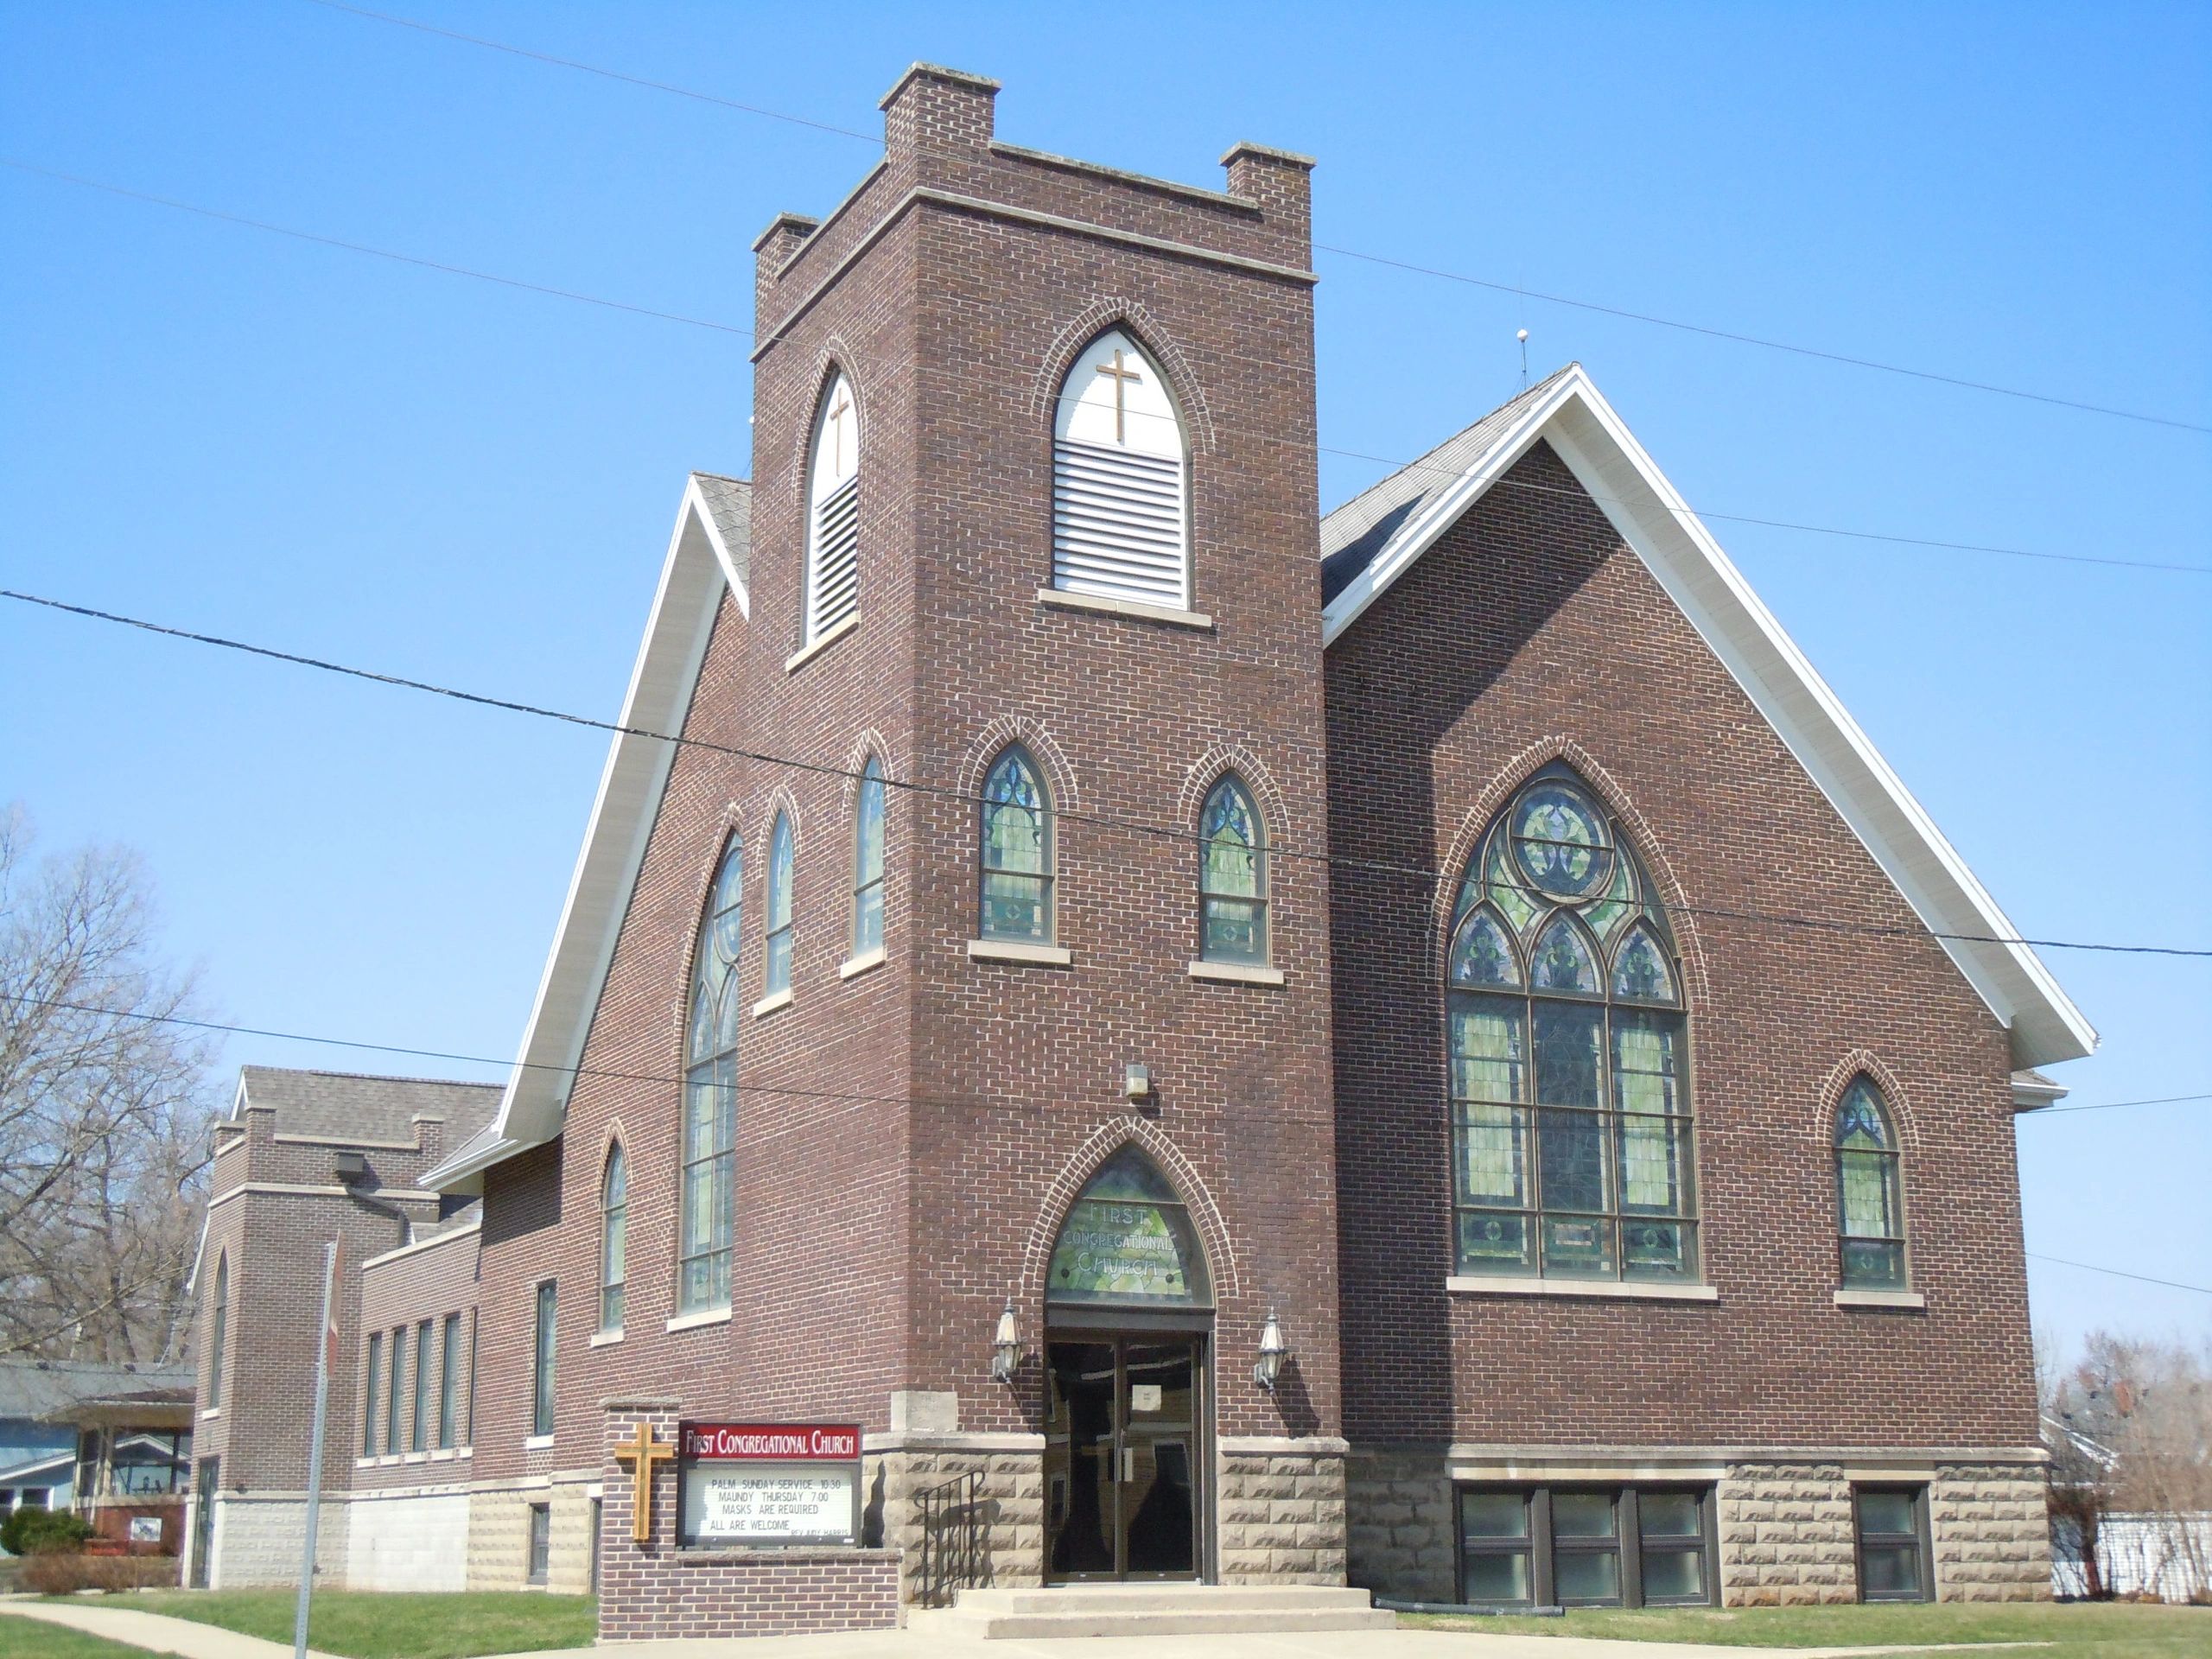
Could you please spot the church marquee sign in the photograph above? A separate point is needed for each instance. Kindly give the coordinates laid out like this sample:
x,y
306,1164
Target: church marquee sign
x,y
768,1484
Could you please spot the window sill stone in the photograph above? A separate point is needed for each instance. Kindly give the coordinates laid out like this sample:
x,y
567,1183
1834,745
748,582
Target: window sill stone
x,y
705,1316
809,652
605,1338
536,1442
1041,955
212,1412
853,967
770,1002
1060,600
1880,1299
1236,973
443,1455
1617,1289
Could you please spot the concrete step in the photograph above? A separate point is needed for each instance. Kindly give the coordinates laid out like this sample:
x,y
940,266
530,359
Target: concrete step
x,y
1152,1609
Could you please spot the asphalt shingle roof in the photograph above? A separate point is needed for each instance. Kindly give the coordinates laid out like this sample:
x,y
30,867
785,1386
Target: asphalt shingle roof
x,y
1353,534
346,1106
39,1388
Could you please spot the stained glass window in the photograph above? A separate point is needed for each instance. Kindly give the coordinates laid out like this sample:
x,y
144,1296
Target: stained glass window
x,y
1572,1152
1232,877
778,974
1016,852
704,1197
1868,1202
1128,1239
867,861
613,1231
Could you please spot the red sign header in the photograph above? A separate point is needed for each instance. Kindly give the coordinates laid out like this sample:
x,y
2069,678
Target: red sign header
x,y
771,1442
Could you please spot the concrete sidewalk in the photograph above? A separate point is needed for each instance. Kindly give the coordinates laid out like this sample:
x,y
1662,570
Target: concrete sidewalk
x,y
152,1631
191,1640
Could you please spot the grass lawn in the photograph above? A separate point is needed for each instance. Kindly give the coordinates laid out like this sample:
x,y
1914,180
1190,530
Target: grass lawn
x,y
366,1625
34,1638
2077,1631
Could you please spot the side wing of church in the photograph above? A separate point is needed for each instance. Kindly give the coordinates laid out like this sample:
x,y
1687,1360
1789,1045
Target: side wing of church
x,y
1204,1043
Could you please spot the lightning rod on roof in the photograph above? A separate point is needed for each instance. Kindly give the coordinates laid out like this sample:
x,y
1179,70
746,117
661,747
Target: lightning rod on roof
x,y
1523,336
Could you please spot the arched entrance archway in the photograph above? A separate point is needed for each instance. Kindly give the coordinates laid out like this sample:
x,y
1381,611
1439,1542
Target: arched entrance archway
x,y
1128,1314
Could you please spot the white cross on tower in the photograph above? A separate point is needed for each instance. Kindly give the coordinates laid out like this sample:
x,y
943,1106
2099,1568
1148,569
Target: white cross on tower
x,y
1121,375
840,406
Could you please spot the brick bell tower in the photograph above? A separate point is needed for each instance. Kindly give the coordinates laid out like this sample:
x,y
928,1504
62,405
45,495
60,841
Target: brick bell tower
x,y
1085,535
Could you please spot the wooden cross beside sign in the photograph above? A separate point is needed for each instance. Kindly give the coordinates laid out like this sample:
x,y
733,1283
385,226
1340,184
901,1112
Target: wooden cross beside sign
x,y
642,1452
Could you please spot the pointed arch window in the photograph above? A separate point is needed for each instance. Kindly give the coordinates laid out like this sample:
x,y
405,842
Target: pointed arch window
x,y
867,861
706,1198
1870,1205
218,1322
1128,1239
1120,508
832,592
777,977
1016,854
1232,876
614,1238
1572,1148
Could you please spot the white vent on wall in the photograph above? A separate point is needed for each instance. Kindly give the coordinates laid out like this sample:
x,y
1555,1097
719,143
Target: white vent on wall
x,y
833,531
1119,519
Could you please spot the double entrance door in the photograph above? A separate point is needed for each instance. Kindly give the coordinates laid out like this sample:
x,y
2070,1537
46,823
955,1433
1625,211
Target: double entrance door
x,y
1124,1463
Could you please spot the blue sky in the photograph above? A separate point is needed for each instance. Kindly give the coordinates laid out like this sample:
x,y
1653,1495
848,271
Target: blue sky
x,y
235,432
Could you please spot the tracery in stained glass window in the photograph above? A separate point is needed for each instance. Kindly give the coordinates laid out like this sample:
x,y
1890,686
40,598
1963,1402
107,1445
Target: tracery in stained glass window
x,y
1017,852
1571,1141
1232,877
705,1201
1869,1204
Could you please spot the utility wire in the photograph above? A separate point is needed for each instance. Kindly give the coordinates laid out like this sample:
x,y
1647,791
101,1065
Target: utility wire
x,y
1349,253
594,69
2116,1272
1370,866
1301,444
2114,1105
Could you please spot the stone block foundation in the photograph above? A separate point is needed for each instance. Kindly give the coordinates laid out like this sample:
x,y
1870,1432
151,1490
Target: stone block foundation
x,y
1785,1524
1279,1510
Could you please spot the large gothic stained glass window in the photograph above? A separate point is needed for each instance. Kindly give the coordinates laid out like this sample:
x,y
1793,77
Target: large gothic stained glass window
x,y
706,1199
1571,1144
1868,1201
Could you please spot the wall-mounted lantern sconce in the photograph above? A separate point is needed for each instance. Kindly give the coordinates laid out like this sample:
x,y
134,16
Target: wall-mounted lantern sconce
x,y
1272,1351
1005,1346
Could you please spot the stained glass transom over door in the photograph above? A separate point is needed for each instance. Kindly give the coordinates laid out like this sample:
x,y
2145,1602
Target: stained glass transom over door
x,y
1128,1241
1572,1150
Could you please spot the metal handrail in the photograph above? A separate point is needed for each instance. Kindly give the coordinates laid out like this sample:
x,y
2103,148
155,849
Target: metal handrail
x,y
952,1538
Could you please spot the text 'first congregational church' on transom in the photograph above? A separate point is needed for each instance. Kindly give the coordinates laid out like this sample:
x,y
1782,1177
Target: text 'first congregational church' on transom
x,y
1148,1033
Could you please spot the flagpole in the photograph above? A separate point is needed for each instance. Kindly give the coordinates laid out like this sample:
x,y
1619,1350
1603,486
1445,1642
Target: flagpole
x,y
314,1450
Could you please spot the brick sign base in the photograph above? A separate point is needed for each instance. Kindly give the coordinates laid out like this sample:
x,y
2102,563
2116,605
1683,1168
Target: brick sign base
x,y
656,1592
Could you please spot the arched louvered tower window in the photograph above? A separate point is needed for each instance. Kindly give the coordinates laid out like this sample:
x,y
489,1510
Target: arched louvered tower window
x,y
1119,513
706,1201
1572,1155
1870,1205
832,589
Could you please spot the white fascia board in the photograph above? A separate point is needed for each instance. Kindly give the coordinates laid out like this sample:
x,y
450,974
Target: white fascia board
x,y
694,575
1682,556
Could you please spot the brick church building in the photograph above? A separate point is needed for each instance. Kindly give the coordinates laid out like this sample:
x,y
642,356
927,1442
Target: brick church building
x,y
1417,1046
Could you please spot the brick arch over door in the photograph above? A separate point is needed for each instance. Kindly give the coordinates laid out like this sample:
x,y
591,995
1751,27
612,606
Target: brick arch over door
x,y
1096,319
1681,920
1087,1160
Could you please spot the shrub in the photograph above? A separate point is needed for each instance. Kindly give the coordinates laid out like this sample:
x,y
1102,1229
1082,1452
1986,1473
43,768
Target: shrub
x,y
43,1532
66,1575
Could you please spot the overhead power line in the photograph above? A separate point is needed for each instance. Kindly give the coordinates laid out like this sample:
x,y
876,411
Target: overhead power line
x,y
450,270
2118,1273
2114,1105
1370,867
1519,289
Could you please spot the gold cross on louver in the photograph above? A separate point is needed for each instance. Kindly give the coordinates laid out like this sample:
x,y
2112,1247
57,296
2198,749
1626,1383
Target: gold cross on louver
x,y
1120,375
641,1453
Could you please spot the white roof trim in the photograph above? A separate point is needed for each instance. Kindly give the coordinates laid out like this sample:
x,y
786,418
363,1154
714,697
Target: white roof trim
x,y
699,567
1654,519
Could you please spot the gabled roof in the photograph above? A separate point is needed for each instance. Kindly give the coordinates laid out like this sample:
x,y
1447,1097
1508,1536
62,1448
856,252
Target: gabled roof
x,y
49,1389
709,552
1374,539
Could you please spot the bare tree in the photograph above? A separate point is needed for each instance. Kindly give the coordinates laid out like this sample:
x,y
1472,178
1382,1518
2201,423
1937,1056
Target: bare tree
x,y
2143,1409
104,1110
